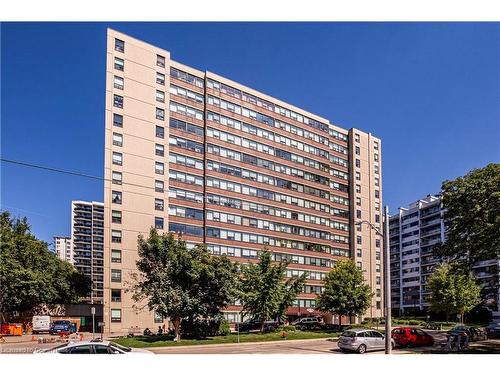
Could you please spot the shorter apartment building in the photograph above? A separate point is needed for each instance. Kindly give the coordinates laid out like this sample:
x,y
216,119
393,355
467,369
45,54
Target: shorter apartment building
x,y
87,244
414,231
62,247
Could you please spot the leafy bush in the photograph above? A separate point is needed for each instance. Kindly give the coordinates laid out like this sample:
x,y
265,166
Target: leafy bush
x,y
202,328
289,328
224,328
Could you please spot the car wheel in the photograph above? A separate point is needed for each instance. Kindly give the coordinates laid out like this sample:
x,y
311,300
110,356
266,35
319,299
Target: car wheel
x,y
393,346
362,349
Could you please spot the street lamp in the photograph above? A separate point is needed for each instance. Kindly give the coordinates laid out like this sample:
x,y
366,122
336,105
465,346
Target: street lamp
x,y
387,289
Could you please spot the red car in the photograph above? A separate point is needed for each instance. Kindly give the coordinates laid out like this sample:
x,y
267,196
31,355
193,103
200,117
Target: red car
x,y
406,336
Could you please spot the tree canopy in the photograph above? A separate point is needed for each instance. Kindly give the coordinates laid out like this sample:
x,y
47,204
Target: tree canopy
x,y
264,292
180,283
30,274
453,291
472,216
345,291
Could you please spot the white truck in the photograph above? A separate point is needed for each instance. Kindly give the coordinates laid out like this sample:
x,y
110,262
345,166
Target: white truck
x,y
41,323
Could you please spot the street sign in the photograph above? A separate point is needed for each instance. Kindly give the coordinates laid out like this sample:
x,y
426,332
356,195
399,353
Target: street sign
x,y
92,310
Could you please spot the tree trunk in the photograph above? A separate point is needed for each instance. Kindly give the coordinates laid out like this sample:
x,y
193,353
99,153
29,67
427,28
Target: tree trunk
x,y
262,323
350,319
176,321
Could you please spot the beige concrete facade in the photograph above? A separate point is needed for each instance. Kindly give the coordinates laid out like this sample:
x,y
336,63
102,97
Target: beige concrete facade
x,y
241,170
366,204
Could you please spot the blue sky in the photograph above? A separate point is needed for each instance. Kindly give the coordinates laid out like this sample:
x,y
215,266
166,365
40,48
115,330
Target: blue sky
x,y
430,91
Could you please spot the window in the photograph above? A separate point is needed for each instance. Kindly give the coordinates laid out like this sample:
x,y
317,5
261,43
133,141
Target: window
x,y
358,201
160,132
159,204
358,163
377,280
358,176
358,188
375,145
159,168
160,78
116,236
118,83
358,214
377,194
375,157
117,158
117,139
158,223
116,217
160,96
116,315
119,64
359,240
119,45
357,150
378,305
159,186
116,256
158,317
116,276
116,295
116,177
159,150
377,218
117,120
160,114
359,265
118,101
116,197
377,244
359,252
160,61
356,137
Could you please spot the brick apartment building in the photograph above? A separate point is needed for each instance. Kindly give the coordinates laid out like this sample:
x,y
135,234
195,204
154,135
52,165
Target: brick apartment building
x,y
191,152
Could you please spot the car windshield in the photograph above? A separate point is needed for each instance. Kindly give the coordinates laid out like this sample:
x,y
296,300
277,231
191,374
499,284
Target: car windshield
x,y
121,347
349,334
61,322
56,347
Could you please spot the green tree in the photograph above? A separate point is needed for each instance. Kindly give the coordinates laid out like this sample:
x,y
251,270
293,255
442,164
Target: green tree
x,y
453,290
180,283
30,274
472,216
345,291
264,292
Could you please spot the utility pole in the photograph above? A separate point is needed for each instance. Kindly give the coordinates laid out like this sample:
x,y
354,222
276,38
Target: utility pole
x,y
387,289
92,311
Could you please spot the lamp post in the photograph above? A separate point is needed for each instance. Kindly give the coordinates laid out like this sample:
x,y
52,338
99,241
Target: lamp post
x,y
387,267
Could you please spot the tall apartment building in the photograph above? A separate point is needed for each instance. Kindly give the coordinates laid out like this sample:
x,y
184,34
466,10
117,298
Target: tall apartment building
x,y
191,152
87,244
62,247
413,232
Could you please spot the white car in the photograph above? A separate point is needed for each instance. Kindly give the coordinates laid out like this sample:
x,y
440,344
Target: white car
x,y
92,347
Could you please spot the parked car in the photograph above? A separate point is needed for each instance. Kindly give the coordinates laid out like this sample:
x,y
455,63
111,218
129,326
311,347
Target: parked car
x,y
62,326
305,324
91,347
406,337
474,334
255,324
362,340
493,331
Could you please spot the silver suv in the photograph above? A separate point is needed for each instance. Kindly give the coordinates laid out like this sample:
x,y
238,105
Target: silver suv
x,y
362,340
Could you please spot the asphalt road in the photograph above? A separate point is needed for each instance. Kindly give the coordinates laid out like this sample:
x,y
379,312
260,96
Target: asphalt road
x,y
316,346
